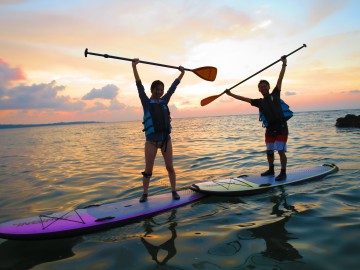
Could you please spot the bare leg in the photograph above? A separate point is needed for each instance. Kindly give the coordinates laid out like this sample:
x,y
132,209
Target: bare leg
x,y
168,158
270,157
150,154
283,159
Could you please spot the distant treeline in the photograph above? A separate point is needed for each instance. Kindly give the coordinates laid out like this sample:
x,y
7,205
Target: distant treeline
x,y
45,125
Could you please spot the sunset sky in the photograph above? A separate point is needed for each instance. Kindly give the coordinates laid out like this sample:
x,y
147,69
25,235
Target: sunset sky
x,y
45,78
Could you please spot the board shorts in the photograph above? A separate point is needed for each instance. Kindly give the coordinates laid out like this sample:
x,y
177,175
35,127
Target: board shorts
x,y
276,139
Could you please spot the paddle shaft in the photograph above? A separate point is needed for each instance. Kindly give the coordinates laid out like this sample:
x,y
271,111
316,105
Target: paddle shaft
x,y
129,59
210,99
304,45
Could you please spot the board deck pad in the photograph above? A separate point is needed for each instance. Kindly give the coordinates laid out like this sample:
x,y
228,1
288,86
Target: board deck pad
x,y
252,184
92,218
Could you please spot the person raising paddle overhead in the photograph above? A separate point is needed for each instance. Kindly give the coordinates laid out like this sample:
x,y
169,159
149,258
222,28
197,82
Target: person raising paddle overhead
x,y
157,128
276,133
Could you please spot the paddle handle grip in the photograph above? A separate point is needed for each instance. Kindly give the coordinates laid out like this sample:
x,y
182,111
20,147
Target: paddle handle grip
x,y
303,46
86,53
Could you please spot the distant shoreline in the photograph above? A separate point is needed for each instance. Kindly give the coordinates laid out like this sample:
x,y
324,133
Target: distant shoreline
x,y
49,124
9,126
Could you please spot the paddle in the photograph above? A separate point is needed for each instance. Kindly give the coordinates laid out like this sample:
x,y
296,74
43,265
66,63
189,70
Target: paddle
x,y
210,99
207,73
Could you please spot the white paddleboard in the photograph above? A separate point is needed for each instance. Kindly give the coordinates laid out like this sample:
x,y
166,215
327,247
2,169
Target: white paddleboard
x,y
252,184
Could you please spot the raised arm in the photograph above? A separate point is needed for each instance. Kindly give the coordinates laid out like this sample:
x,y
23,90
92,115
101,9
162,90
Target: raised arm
x,y
228,92
136,74
182,70
282,72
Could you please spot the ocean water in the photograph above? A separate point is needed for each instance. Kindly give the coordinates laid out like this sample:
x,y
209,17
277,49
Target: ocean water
x,y
315,225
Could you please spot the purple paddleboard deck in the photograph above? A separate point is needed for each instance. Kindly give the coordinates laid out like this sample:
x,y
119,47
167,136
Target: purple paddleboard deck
x,y
92,218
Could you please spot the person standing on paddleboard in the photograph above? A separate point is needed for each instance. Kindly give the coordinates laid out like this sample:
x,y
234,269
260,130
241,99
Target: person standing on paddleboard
x,y
157,128
276,133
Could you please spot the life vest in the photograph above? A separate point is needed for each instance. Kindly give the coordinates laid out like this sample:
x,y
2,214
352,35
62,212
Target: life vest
x,y
274,111
157,119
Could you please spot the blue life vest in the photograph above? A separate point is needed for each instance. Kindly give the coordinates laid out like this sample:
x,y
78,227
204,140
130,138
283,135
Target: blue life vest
x,y
157,119
273,113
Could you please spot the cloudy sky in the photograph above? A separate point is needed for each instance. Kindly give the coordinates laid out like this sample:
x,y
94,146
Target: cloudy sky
x,y
44,76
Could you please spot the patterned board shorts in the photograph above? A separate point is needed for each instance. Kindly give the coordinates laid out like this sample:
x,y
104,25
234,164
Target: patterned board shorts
x,y
276,140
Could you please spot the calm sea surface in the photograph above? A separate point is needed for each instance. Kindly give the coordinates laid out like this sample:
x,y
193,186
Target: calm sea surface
x,y
310,226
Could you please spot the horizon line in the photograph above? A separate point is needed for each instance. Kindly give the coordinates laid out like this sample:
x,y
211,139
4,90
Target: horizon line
x,y
4,126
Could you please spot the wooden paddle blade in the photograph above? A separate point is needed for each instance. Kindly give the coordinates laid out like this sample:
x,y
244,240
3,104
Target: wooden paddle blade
x,y
206,73
208,100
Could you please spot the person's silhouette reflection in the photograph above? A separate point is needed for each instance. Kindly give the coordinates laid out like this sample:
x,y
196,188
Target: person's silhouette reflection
x,y
275,235
168,246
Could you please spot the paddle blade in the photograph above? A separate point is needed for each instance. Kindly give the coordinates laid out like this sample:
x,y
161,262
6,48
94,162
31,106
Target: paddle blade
x,y
208,100
206,73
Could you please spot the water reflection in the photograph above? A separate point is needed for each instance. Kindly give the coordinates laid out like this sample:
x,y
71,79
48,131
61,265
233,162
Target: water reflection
x,y
229,249
168,246
275,234
258,245
27,254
